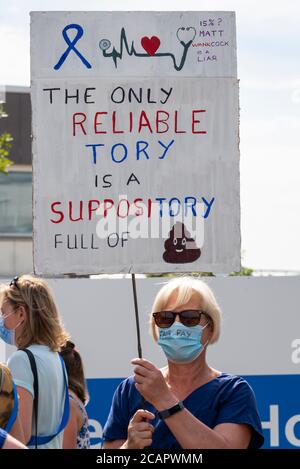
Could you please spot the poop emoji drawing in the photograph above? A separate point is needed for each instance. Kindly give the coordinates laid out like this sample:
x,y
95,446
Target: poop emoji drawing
x,y
180,248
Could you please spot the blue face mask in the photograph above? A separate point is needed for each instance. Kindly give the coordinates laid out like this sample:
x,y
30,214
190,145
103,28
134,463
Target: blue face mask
x,y
181,344
8,335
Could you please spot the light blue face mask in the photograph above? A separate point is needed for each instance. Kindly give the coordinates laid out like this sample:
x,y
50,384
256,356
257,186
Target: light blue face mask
x,y
181,344
8,335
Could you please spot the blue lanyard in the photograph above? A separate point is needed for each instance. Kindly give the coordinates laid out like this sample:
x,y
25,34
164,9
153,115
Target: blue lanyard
x,y
14,413
42,440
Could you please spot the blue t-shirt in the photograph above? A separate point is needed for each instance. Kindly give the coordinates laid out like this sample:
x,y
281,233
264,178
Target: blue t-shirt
x,y
225,399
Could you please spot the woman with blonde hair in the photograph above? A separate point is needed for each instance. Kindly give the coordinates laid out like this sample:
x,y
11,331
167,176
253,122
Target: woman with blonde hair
x,y
29,320
190,404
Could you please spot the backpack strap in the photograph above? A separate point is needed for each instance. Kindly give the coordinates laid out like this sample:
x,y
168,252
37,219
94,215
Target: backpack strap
x,y
36,391
42,440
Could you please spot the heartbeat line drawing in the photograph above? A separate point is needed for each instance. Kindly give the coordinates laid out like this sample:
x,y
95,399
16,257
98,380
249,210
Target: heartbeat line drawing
x,y
150,45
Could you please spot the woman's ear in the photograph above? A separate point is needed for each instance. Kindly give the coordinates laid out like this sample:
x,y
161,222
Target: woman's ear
x,y
22,313
210,328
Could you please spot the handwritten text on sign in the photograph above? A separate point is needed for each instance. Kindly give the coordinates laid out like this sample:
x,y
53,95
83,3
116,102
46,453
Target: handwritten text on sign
x,y
121,164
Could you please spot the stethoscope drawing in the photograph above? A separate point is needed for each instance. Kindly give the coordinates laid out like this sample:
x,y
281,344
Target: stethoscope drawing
x,y
188,29
105,44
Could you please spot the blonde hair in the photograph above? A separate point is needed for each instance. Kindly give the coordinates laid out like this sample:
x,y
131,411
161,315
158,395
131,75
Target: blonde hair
x,y
6,395
43,324
185,287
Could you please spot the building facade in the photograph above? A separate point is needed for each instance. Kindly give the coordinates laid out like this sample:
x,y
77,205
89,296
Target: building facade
x,y
16,186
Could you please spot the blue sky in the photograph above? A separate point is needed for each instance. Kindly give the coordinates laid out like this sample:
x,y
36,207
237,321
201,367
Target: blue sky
x,y
268,43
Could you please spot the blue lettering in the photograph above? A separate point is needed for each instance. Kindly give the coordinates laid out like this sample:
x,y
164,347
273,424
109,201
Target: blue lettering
x,y
160,200
141,150
192,206
166,148
208,205
94,146
113,152
172,214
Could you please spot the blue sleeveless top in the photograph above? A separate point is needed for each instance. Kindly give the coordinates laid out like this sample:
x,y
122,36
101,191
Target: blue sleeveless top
x,y
83,436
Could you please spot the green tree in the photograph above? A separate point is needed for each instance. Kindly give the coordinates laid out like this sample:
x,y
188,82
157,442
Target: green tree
x,y
244,272
5,146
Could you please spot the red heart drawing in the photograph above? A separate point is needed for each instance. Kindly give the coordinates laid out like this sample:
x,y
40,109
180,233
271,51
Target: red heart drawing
x,y
150,44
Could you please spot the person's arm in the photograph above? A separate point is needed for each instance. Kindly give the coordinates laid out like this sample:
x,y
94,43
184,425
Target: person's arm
x,y
9,442
140,433
123,429
12,443
25,413
73,426
17,431
190,432
113,444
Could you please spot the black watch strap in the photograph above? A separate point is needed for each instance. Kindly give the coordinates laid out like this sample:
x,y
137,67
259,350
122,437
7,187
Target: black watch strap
x,y
163,414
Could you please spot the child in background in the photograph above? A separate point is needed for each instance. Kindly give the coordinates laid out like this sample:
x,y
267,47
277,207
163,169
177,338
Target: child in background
x,y
76,433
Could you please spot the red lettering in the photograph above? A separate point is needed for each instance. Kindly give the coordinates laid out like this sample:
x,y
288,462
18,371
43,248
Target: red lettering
x,y
80,211
115,131
149,207
176,125
140,208
197,121
146,123
97,123
160,120
107,207
90,207
119,205
58,212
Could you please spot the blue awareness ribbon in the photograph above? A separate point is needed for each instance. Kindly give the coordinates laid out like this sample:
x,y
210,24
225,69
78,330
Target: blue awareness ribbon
x,y
71,45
